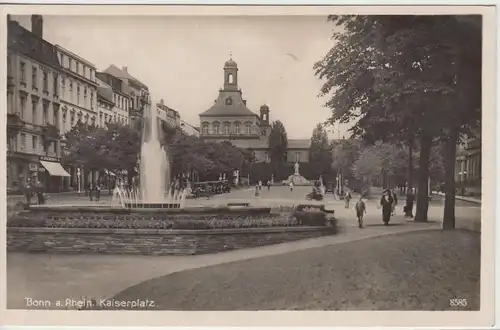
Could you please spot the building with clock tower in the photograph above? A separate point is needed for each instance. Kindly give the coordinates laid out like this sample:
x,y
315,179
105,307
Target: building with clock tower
x,y
229,119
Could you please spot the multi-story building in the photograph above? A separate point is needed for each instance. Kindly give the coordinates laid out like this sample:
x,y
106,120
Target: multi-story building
x,y
189,129
33,107
167,114
78,88
230,119
109,111
118,90
468,166
137,91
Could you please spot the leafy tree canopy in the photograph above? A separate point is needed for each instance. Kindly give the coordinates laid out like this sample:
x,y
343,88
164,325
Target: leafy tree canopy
x,y
278,142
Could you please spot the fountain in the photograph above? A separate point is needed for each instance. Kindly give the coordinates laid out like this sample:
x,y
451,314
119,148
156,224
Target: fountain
x,y
154,169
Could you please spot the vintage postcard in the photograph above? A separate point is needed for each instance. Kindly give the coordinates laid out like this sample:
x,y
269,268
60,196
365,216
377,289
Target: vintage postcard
x,y
248,165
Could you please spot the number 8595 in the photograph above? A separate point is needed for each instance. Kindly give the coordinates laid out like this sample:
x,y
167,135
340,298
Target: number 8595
x,y
458,302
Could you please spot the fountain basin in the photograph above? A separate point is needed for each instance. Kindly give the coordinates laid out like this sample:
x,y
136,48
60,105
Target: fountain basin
x,y
153,231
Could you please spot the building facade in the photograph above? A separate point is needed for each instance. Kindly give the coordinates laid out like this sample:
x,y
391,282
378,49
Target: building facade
x,y
78,87
136,91
34,120
112,104
189,129
229,119
167,114
468,173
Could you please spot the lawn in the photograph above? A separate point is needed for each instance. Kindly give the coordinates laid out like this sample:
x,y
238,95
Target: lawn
x,y
413,271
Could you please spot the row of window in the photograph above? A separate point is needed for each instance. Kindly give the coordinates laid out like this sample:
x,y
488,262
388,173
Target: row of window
x,y
37,147
112,118
35,79
226,129
122,102
78,67
45,86
88,94
75,117
34,112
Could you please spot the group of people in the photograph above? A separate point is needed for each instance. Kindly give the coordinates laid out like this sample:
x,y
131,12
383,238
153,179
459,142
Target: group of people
x,y
388,204
258,187
94,190
34,188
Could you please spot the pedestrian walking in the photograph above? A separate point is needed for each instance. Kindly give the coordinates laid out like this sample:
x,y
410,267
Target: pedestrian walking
x,y
28,192
347,198
91,188
98,192
291,185
360,210
394,202
386,204
257,190
260,185
268,185
408,208
39,193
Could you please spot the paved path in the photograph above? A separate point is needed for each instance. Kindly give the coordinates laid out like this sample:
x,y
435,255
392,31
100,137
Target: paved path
x,y
57,276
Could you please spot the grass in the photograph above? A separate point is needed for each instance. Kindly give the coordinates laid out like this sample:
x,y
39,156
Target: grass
x,y
412,271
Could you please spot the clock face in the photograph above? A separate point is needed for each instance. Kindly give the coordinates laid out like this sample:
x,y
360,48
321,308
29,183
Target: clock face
x,y
229,101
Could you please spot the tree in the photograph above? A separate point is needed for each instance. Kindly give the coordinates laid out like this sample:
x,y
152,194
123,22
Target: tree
x,y
383,159
278,142
119,148
397,76
367,166
82,145
320,155
344,154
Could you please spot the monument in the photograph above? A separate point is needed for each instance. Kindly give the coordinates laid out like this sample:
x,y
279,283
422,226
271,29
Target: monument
x,y
296,178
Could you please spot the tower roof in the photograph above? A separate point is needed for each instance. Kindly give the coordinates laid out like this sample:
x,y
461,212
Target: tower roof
x,y
230,64
235,108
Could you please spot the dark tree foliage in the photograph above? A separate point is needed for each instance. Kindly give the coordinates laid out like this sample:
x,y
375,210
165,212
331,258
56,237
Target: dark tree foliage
x,y
278,142
405,79
320,154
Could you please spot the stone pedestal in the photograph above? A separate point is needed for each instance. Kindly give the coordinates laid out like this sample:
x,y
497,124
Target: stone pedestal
x,y
298,180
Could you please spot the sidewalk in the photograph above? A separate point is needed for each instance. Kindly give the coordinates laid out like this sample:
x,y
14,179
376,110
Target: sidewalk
x,y
462,198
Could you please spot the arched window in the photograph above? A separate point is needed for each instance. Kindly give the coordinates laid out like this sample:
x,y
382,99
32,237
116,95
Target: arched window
x,y
248,128
216,126
297,157
230,78
237,128
227,128
204,128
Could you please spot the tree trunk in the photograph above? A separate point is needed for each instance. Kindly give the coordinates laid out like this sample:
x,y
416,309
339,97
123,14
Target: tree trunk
x,y
409,186
449,184
423,179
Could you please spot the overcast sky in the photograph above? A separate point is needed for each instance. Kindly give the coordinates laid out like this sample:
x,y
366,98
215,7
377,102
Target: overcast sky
x,y
181,59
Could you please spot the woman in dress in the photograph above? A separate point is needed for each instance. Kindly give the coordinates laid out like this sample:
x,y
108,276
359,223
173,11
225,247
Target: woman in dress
x,y
386,204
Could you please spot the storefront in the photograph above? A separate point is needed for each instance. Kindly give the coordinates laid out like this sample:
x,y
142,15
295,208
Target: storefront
x,y
51,173
21,167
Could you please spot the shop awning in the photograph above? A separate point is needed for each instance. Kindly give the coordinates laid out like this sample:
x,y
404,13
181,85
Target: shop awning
x,y
54,169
